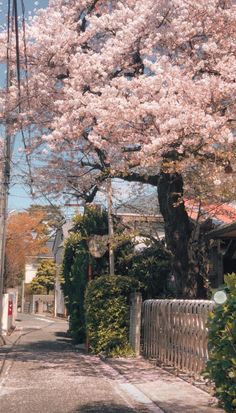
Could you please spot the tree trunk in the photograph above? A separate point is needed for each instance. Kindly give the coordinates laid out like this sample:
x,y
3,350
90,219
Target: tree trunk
x,y
178,230
185,240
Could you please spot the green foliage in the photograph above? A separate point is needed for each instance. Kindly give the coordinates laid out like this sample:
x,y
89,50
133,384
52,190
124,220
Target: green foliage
x,y
151,267
45,278
76,264
94,221
221,367
107,314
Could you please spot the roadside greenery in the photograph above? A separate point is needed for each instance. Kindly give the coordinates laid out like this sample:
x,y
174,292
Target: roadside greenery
x,y
76,263
107,314
221,367
150,267
44,280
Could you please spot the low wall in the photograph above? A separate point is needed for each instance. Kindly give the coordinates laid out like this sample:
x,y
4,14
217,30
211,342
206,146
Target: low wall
x,y
39,304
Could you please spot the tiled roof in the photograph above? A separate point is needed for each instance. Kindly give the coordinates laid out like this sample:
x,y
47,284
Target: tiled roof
x,y
219,213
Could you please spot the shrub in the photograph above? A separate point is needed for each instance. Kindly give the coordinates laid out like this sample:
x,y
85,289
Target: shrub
x,y
76,263
221,367
152,268
107,314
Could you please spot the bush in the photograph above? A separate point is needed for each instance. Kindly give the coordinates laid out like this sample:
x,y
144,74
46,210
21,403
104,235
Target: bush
x,y
221,367
152,268
75,266
107,314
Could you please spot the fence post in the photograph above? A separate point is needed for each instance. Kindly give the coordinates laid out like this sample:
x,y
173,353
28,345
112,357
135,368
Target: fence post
x,y
135,322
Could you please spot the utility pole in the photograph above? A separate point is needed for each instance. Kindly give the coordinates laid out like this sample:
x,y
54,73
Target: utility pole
x,y
5,165
110,229
5,182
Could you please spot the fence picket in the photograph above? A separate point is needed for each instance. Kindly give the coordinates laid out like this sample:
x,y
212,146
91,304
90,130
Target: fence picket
x,y
175,332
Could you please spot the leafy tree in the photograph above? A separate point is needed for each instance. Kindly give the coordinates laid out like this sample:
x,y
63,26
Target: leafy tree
x,y
77,263
52,215
152,267
44,280
25,237
139,90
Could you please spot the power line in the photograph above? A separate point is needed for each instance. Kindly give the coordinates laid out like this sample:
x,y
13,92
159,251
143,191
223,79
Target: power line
x,y
5,173
12,27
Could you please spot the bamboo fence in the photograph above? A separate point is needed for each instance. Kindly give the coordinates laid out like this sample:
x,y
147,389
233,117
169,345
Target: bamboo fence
x,y
175,333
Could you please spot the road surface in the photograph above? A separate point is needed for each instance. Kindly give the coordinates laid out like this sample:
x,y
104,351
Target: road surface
x,y
44,373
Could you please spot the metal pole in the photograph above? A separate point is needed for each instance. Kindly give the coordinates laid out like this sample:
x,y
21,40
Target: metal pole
x,y
3,217
55,296
5,174
1,248
23,296
110,230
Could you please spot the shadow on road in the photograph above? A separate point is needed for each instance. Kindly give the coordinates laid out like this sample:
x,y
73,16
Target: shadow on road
x,y
106,408
59,353
62,334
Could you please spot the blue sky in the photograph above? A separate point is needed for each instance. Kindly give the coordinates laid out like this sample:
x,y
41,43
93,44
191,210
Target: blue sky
x,y
30,7
19,196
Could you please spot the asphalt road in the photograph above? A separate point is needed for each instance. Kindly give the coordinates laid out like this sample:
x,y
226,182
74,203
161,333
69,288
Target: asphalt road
x,y
44,373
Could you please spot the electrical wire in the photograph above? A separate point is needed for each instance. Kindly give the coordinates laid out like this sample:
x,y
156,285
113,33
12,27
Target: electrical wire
x,y
14,27
15,12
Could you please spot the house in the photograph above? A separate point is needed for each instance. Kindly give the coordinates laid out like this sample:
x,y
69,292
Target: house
x,y
223,251
31,266
143,215
62,234
32,262
222,237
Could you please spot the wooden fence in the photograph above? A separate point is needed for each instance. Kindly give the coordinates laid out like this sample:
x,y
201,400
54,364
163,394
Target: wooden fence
x,y
175,333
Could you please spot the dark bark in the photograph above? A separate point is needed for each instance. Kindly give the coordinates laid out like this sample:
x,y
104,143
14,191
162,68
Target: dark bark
x,y
185,240
199,252
178,229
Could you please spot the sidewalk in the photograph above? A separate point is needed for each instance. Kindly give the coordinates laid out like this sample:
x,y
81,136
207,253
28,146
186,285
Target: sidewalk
x,y
170,393
148,387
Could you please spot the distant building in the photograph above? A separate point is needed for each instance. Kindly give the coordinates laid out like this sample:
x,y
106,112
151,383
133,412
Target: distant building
x,y
32,262
31,267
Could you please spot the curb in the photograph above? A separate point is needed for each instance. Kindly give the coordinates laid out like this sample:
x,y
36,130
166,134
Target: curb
x,y
211,402
130,389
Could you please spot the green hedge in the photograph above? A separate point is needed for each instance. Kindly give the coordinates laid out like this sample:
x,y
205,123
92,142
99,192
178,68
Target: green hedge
x,y
107,314
221,367
75,266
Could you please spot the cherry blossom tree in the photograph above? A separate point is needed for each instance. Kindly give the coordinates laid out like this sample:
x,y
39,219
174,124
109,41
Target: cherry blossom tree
x,y
144,91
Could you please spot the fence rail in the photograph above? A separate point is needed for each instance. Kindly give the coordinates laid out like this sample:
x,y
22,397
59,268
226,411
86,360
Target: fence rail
x,y
175,332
